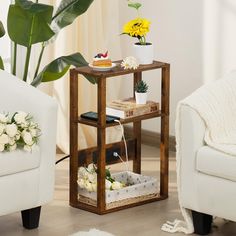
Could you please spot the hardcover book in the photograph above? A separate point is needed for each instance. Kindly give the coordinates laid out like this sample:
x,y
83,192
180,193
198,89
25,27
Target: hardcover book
x,y
128,108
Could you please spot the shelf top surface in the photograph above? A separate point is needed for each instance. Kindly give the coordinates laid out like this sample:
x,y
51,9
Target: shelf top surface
x,y
118,70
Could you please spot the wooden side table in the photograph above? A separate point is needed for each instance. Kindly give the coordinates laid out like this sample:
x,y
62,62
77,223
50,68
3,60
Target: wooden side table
x,y
101,152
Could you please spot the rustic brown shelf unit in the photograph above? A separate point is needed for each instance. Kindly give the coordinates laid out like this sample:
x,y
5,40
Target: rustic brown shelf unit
x,y
81,157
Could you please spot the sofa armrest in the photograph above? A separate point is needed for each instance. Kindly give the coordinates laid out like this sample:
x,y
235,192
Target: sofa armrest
x,y
191,130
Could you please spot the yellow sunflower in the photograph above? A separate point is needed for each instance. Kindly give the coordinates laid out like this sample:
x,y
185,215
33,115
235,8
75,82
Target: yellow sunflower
x,y
137,28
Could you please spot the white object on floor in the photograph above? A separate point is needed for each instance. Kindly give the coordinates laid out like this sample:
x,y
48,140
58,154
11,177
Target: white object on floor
x,y
215,106
92,232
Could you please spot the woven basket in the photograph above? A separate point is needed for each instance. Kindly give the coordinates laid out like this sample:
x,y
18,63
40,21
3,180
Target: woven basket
x,y
139,188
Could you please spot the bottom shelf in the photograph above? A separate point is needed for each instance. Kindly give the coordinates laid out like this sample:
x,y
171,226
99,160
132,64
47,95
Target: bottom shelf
x,y
89,205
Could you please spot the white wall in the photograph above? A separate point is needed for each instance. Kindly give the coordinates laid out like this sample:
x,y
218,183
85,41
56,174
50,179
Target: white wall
x,y
198,39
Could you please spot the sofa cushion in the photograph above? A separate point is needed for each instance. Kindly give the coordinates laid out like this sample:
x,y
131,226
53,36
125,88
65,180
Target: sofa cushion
x,y
212,162
18,161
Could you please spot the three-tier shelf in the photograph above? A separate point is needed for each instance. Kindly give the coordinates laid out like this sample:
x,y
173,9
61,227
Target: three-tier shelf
x,y
102,153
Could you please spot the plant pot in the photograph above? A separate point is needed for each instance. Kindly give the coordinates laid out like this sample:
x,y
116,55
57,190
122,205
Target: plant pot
x,y
141,98
144,53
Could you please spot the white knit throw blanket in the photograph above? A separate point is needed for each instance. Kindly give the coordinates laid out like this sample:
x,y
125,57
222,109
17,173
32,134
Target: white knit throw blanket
x,y
216,105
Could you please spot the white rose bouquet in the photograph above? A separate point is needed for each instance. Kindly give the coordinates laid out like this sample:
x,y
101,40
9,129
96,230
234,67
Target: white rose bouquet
x,y
18,131
87,179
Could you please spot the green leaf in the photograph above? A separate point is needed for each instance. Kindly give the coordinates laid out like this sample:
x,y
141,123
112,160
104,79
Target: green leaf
x,y
2,30
28,22
135,5
108,173
69,10
57,68
1,64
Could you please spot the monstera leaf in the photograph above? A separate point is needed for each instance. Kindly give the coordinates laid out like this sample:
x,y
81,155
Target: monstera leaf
x,y
57,68
2,31
28,22
1,64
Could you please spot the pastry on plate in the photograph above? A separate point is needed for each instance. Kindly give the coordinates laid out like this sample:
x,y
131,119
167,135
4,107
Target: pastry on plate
x,y
102,60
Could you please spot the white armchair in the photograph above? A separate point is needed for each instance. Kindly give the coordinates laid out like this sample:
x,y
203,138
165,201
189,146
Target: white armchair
x,y
27,179
208,177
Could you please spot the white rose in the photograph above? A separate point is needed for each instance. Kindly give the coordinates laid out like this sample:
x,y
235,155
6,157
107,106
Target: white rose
x,y
11,130
33,124
20,117
88,186
24,125
27,148
33,132
91,168
108,184
3,118
81,183
116,185
92,177
2,128
4,139
27,137
12,147
94,187
82,172
12,141
2,147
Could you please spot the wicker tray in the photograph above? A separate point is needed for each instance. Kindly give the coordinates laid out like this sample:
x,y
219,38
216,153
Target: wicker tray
x,y
140,188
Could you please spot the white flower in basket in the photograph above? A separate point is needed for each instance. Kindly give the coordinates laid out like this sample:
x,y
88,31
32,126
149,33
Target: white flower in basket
x,y
87,179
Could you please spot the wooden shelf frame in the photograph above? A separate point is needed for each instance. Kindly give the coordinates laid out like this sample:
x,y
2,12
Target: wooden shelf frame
x,y
101,126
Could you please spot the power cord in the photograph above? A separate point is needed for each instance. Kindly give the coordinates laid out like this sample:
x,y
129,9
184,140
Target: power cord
x,y
62,159
115,154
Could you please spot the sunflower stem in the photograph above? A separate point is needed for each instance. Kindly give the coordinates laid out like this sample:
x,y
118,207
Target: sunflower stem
x,y
144,40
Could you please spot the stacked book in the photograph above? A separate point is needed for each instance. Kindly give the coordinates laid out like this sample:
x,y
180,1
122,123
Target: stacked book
x,y
128,108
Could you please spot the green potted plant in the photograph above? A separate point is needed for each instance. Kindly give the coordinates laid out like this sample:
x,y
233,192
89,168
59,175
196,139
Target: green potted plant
x,y
30,23
138,28
141,89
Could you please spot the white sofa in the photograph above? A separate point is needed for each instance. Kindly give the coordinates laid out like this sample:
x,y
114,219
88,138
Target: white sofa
x,y
208,177
27,179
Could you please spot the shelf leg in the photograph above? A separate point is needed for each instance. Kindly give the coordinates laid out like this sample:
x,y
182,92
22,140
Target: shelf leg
x,y
73,138
101,143
164,147
137,133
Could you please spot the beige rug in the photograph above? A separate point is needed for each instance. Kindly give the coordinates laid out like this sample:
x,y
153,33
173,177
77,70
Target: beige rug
x,y
92,232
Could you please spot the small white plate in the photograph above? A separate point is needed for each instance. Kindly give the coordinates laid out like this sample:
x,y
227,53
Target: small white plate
x,y
99,68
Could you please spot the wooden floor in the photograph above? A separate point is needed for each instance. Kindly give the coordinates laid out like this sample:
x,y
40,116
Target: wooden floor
x,y
59,219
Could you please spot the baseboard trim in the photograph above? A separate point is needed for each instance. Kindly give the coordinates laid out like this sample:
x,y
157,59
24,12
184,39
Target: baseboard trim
x,y
151,138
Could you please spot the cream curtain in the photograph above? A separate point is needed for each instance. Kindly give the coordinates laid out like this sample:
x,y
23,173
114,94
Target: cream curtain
x,y
95,31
